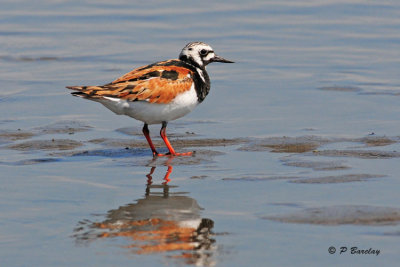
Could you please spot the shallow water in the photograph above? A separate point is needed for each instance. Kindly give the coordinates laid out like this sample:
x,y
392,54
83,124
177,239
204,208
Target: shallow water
x,y
297,144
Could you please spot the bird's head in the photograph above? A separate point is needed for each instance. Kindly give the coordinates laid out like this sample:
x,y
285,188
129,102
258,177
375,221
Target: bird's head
x,y
200,54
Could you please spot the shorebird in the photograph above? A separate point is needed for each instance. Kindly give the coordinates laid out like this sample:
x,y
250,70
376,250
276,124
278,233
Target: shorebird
x,y
159,92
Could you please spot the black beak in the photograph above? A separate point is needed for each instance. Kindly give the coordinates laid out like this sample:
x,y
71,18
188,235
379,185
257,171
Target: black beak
x,y
220,59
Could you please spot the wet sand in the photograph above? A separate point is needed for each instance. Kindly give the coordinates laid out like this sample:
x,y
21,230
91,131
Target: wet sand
x,y
356,215
22,140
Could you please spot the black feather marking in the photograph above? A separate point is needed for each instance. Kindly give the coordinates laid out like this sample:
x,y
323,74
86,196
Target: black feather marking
x,y
171,75
202,88
129,86
178,63
155,73
141,91
183,57
146,76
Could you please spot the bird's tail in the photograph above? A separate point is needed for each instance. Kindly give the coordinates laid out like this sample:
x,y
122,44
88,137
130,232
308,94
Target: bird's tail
x,y
85,91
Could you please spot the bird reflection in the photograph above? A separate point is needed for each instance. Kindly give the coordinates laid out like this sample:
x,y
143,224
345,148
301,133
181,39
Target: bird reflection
x,y
161,222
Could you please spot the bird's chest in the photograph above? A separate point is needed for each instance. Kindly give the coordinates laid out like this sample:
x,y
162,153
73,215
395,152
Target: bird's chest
x,y
152,113
186,99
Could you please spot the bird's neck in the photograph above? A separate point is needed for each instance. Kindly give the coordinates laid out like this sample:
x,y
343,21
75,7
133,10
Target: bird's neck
x,y
201,79
201,83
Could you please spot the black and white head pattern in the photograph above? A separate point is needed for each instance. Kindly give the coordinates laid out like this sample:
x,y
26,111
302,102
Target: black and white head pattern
x,y
198,53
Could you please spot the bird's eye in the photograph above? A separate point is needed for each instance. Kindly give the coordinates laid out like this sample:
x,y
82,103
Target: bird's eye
x,y
203,52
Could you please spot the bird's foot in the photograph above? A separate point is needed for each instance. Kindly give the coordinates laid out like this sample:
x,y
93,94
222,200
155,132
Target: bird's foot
x,y
190,153
169,154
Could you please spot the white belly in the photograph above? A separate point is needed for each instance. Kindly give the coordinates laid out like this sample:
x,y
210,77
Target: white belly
x,y
152,113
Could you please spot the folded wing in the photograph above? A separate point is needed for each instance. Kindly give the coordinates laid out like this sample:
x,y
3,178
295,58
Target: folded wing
x,y
156,83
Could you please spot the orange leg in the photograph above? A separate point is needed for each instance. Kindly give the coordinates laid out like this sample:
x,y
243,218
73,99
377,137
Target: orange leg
x,y
150,176
168,144
146,133
166,177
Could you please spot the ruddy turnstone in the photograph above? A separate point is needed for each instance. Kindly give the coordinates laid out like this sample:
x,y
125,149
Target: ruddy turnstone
x,y
159,92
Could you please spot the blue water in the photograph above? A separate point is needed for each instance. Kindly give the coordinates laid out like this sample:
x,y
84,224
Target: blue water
x,y
285,52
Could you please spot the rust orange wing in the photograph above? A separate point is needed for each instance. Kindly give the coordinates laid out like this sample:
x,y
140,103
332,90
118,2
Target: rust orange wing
x,y
156,83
